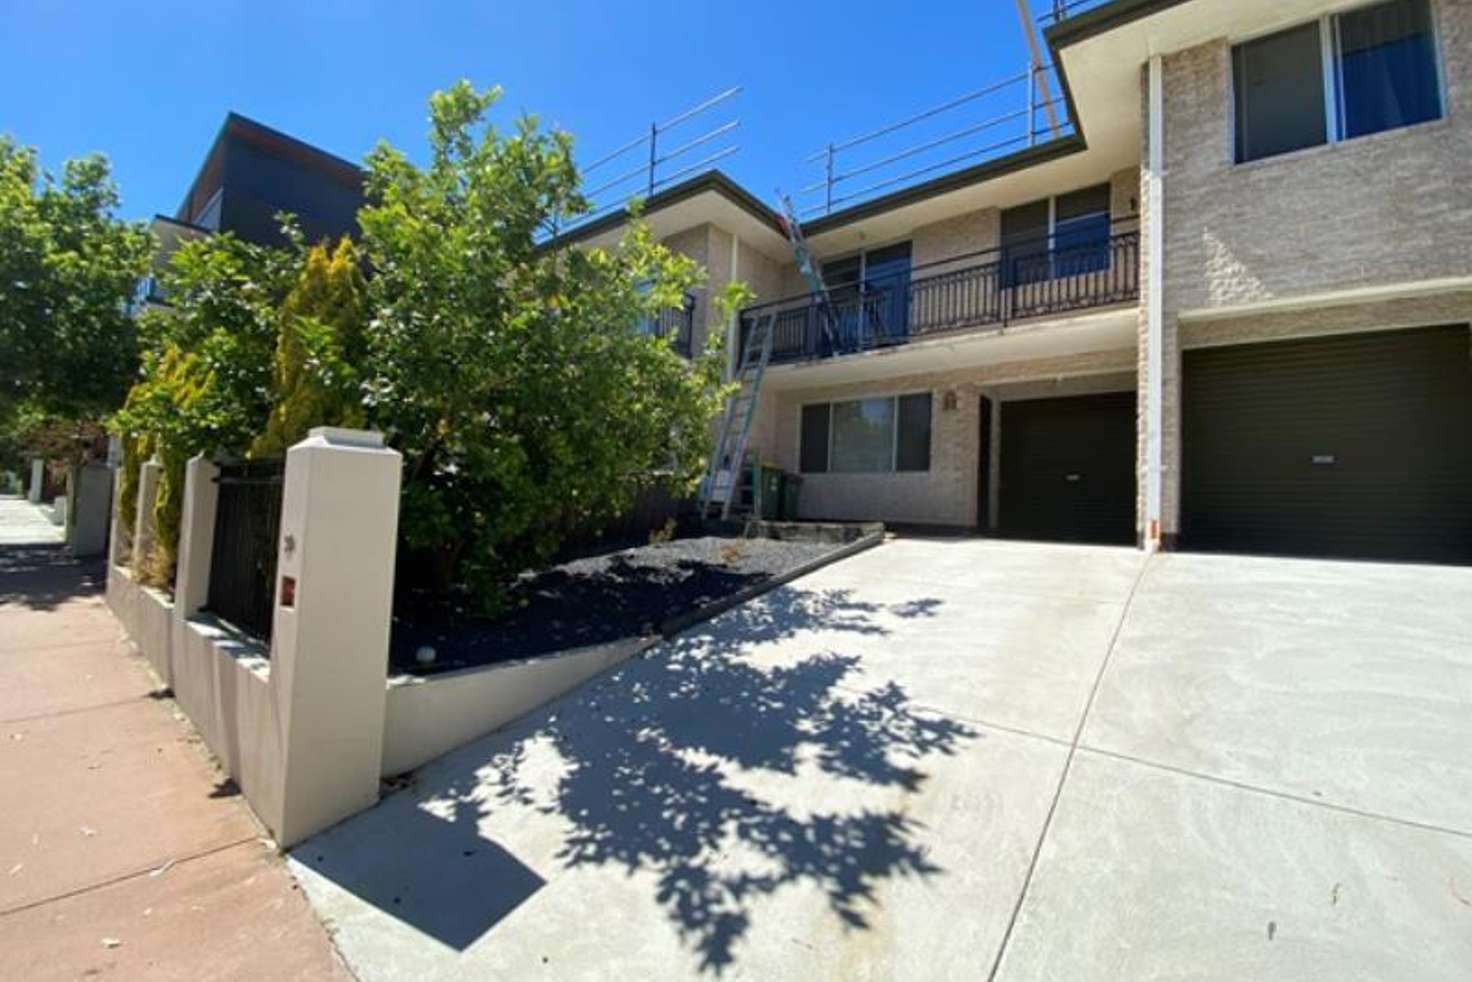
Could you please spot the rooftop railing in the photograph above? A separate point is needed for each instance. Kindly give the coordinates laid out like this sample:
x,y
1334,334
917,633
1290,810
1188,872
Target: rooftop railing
x,y
1060,10
663,159
1006,116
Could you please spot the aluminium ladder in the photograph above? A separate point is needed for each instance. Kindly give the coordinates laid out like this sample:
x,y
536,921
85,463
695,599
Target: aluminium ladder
x,y
722,482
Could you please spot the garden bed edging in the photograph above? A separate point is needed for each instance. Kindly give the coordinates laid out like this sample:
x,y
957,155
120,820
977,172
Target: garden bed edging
x,y
429,715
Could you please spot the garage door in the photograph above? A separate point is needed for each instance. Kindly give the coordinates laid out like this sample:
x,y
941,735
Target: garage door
x,y
1068,468
1358,446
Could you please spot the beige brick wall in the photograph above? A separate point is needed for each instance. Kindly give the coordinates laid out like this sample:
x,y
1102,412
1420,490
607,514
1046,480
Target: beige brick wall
x,y
760,273
1446,308
947,493
698,245
711,246
1390,208
1124,198
718,274
956,236
1386,208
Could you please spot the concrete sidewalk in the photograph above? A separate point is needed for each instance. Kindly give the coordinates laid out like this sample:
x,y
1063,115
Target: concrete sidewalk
x,y
123,853
25,524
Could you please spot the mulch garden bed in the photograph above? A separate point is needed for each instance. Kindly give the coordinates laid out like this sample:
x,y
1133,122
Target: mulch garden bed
x,y
593,600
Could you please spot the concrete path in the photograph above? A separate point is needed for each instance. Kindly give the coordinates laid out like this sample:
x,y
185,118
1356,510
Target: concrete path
x,y
22,523
123,854
963,760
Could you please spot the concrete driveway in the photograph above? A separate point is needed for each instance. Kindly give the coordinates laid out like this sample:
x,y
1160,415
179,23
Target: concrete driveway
x,y
963,759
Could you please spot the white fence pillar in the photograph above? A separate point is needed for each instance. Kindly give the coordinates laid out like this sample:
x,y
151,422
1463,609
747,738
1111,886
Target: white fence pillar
x,y
196,537
115,537
145,530
38,478
334,597
90,510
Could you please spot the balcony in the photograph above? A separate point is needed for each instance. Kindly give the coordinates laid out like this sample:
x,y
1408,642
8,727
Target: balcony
x,y
994,288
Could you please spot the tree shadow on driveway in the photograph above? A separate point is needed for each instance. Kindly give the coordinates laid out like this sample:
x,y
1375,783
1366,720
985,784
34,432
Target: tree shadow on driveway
x,y
724,776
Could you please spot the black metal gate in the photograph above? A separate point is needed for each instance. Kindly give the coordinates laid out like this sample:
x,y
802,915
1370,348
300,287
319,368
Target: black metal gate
x,y
247,526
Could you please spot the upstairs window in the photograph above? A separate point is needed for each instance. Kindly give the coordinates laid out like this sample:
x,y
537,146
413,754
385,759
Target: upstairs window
x,y
1279,86
1056,237
1387,68
209,216
871,294
1081,231
1381,74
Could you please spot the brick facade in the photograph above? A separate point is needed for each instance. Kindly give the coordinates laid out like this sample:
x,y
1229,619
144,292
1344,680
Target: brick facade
x,y
947,493
1253,252
1388,209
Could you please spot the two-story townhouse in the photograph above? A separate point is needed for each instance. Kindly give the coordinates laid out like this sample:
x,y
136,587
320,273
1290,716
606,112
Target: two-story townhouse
x,y
250,174
1229,310
1305,356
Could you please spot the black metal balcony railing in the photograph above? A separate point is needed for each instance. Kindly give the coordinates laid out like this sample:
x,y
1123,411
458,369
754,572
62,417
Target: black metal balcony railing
x,y
677,324
995,287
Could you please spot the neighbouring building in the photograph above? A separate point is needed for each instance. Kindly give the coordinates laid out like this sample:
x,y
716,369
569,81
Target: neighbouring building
x,y
250,174
1228,309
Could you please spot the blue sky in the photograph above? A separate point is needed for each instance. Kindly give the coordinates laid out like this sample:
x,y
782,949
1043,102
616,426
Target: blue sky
x,y
149,84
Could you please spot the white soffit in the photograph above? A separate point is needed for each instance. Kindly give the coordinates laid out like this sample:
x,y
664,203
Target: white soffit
x,y
1112,330
1094,165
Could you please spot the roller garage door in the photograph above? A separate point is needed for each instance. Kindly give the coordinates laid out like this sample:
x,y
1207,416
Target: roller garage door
x,y
1356,446
1068,468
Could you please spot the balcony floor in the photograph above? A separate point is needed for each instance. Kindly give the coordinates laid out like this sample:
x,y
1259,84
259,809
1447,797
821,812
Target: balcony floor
x,y
1076,333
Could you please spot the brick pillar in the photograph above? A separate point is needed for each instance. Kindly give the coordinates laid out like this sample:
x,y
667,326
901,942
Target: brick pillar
x,y
334,597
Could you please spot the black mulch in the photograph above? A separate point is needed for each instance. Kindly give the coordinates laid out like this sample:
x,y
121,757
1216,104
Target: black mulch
x,y
593,600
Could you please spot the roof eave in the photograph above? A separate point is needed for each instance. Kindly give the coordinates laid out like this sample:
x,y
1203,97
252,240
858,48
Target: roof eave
x,y
711,180
1101,19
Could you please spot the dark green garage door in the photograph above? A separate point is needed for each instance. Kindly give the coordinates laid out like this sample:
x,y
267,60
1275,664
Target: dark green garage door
x,y
1068,468
1357,446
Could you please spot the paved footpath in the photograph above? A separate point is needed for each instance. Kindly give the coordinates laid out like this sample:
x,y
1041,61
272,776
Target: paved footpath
x,y
123,852
22,523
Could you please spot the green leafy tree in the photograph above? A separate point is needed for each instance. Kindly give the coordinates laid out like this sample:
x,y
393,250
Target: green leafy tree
x,y
68,266
319,348
207,369
512,376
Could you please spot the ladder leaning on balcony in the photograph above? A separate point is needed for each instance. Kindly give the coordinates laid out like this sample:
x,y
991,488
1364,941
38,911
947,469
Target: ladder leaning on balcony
x,y
722,483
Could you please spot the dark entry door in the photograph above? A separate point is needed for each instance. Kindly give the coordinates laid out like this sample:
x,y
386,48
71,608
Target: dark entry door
x,y
1357,445
1068,468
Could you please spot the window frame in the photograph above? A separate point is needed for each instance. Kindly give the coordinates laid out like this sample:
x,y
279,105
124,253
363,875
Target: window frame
x,y
1049,239
857,291
894,441
1329,58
